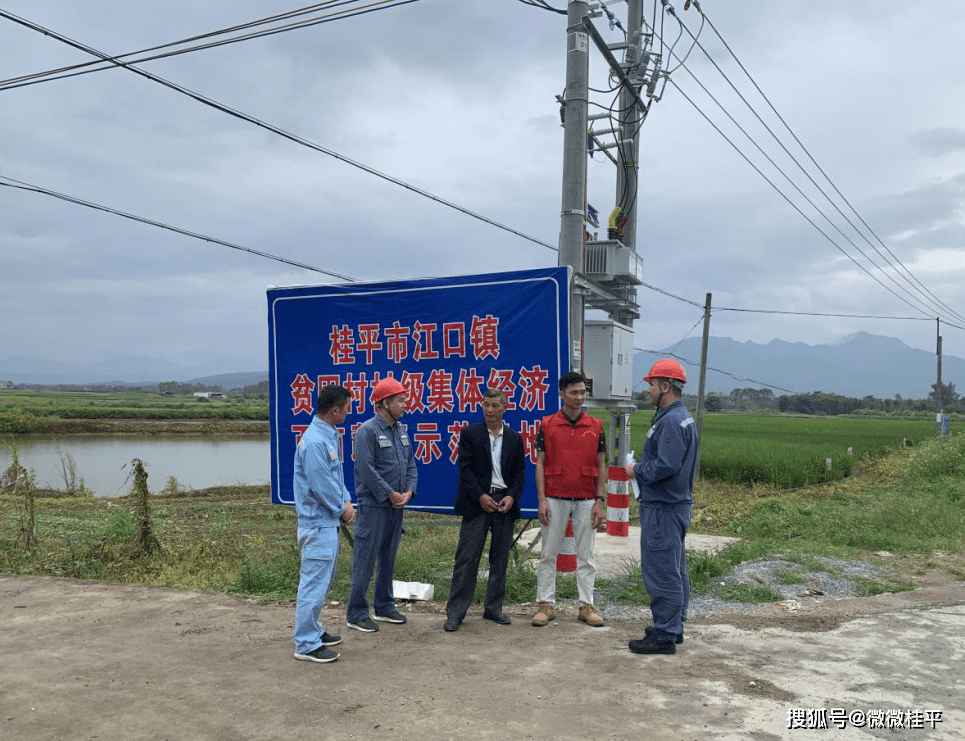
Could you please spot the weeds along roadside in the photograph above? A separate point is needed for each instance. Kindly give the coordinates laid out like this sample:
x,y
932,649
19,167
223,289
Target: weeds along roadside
x,y
232,539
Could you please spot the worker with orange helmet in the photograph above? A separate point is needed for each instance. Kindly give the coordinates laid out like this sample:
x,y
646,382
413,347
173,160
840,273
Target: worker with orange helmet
x,y
385,481
665,475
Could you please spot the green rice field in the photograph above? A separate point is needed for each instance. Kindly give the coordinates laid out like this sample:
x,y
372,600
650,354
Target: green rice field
x,y
42,411
789,452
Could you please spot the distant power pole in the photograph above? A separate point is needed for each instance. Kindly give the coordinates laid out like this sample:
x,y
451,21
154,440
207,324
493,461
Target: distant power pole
x,y
575,104
938,352
702,382
938,383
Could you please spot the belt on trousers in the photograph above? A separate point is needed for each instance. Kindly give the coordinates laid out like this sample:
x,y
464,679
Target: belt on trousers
x,y
494,490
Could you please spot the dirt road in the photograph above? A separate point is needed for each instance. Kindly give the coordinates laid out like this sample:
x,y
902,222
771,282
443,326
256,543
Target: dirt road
x,y
89,660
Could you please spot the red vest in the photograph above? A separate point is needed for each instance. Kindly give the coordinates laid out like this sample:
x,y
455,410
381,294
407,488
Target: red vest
x,y
570,461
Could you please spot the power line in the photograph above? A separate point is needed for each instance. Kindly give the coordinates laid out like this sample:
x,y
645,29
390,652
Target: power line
x,y
681,340
846,316
20,185
803,195
274,129
674,296
97,66
716,370
794,313
803,170
823,173
792,204
542,5
681,63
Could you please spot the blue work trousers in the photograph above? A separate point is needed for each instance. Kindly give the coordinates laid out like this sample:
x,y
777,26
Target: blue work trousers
x,y
376,541
663,562
319,546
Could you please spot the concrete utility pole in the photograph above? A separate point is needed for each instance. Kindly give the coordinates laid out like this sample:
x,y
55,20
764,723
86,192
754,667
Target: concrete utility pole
x,y
575,103
628,168
626,192
605,273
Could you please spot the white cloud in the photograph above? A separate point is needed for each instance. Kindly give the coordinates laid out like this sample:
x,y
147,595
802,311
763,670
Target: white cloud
x,y
458,99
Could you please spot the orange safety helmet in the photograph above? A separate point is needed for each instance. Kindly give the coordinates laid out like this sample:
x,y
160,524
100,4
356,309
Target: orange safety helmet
x,y
666,368
385,388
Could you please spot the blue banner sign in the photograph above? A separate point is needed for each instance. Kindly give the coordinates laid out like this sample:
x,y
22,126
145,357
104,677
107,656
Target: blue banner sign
x,y
446,340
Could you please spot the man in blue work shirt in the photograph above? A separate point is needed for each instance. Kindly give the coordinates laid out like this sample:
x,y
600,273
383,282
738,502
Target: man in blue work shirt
x,y
385,481
322,503
665,474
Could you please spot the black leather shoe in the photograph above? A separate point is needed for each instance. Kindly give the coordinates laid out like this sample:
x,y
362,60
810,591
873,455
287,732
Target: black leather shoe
x,y
651,645
452,625
500,618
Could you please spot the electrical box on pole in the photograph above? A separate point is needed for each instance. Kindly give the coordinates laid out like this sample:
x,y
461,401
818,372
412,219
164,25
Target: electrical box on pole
x,y
610,261
609,358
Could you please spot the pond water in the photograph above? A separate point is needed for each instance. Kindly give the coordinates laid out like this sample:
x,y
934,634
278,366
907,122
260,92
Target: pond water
x,y
104,461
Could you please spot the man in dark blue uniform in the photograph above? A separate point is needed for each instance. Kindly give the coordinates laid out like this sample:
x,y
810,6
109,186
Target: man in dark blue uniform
x,y
665,474
385,481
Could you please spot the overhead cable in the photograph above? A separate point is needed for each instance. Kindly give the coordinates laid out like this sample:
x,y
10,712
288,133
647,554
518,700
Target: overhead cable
x,y
716,370
20,185
901,287
543,5
794,185
274,129
98,66
846,316
794,313
823,173
794,205
671,295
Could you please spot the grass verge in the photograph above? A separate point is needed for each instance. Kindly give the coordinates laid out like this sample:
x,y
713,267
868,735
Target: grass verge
x,y
909,503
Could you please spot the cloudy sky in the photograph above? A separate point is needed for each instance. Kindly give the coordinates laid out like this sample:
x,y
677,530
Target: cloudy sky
x,y
457,97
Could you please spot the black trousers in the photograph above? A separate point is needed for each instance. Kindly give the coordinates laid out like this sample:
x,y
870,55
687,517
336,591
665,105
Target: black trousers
x,y
472,539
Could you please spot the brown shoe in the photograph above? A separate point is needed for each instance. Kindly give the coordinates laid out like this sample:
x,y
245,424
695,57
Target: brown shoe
x,y
589,616
544,613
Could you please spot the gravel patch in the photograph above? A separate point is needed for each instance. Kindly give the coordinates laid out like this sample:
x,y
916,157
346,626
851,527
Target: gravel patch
x,y
821,579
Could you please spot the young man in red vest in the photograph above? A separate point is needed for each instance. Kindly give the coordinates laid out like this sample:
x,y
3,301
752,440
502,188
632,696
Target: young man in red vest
x,y
570,484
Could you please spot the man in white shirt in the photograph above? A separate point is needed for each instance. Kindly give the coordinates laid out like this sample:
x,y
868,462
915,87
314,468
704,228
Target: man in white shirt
x,y
492,469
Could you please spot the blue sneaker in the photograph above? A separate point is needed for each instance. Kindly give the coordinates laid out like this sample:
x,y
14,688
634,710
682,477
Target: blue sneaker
x,y
365,625
320,655
391,617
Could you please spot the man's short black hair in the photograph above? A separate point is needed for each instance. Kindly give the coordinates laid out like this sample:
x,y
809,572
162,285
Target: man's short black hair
x,y
568,379
332,396
495,393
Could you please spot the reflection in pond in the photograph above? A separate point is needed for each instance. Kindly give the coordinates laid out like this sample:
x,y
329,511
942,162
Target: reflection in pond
x,y
104,461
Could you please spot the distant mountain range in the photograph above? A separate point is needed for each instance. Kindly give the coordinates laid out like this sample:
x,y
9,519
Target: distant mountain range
x,y
860,365
125,370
